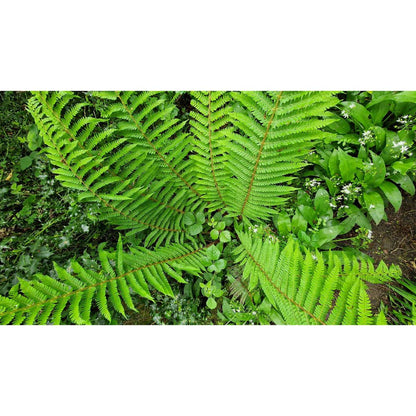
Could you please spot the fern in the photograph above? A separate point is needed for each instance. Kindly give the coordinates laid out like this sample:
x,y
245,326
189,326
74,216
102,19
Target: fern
x,y
301,286
275,132
210,125
153,175
130,176
45,299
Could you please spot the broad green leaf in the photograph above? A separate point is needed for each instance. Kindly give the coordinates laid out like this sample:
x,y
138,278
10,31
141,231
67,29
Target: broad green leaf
x,y
379,111
220,226
380,136
195,229
25,162
321,202
405,182
392,193
219,265
358,113
211,303
298,223
189,218
214,234
348,165
33,138
308,213
225,236
375,205
376,174
403,166
405,97
200,218
325,235
213,253
333,163
282,223
340,125
358,216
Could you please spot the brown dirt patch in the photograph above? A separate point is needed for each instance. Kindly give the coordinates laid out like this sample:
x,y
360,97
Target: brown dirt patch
x,y
394,242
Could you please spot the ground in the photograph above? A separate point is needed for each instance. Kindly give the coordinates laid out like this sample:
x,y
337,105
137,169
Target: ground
x,y
394,242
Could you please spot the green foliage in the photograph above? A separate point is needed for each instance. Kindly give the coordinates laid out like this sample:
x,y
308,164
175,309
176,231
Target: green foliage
x,y
404,301
301,287
45,298
185,189
358,172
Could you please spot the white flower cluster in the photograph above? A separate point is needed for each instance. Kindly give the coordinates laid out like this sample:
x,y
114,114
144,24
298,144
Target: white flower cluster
x,y
370,234
255,229
403,146
85,228
349,192
366,137
310,184
349,189
344,114
405,121
271,238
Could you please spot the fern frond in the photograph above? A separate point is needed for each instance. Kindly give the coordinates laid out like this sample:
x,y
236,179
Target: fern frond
x,y
44,300
276,130
209,126
301,287
135,193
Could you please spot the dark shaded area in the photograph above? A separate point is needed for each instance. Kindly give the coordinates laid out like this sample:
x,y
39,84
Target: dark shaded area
x,y
394,242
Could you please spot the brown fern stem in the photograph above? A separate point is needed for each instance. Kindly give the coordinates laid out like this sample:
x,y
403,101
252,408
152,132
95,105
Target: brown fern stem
x,y
256,165
83,289
103,201
154,147
111,171
282,293
211,153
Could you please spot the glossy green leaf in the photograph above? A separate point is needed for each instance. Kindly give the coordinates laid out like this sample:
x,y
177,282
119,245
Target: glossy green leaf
x,y
195,229
321,202
376,174
214,234
358,216
33,138
299,223
225,236
375,205
283,223
348,165
392,193
403,166
405,182
25,162
308,213
189,218
325,235
358,113
200,218
213,253
211,303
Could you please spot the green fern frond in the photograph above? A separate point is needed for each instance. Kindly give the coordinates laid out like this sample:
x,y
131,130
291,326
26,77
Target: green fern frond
x,y
44,300
302,287
118,172
209,126
276,130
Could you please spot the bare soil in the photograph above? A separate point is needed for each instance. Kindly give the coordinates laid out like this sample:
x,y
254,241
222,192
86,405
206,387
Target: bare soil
x,y
394,242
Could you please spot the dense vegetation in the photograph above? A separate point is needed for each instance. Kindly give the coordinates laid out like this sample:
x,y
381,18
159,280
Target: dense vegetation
x,y
202,207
